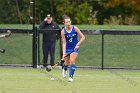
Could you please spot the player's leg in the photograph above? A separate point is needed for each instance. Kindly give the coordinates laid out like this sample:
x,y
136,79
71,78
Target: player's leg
x,y
65,67
73,57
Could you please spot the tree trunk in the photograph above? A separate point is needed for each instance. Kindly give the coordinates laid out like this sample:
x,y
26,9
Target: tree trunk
x,y
51,4
18,11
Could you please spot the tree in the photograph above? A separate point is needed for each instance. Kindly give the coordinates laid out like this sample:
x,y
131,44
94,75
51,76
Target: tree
x,y
114,9
7,11
81,11
78,11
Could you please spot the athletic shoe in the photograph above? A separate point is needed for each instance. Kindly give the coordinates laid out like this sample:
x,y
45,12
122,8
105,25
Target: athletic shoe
x,y
70,79
64,73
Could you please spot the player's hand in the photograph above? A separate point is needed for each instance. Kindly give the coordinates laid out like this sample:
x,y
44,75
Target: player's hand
x,y
64,56
76,47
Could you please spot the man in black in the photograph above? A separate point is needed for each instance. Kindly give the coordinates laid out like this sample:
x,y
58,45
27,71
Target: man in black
x,y
49,38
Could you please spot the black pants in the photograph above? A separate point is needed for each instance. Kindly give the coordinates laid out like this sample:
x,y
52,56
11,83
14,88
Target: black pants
x,y
48,48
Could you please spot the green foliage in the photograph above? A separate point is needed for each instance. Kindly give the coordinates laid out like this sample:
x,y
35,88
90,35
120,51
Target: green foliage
x,y
81,11
82,14
7,13
123,12
64,7
118,20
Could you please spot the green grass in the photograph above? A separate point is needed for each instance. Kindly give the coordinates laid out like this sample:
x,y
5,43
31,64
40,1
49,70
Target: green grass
x,y
28,80
120,50
110,27
16,26
18,49
85,27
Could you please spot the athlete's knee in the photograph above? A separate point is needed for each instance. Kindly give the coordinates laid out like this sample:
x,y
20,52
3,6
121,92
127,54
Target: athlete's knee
x,y
66,64
72,61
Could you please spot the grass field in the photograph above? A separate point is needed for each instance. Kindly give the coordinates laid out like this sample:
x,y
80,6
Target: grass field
x,y
86,27
120,51
28,80
18,49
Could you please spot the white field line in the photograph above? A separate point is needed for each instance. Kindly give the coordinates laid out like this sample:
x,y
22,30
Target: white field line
x,y
93,75
96,88
32,89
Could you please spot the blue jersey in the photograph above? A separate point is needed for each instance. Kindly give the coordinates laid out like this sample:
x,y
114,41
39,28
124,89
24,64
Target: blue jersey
x,y
71,38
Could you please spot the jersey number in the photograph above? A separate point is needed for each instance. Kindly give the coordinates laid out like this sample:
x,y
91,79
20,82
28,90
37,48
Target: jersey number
x,y
70,40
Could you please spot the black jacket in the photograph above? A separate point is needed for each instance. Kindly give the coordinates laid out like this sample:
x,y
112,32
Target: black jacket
x,y
50,34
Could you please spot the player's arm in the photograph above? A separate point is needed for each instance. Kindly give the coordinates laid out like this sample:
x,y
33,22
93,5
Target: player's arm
x,y
6,34
81,35
63,42
2,36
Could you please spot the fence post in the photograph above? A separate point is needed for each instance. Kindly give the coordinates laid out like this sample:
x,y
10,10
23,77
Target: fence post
x,y
34,45
34,48
102,51
60,44
38,48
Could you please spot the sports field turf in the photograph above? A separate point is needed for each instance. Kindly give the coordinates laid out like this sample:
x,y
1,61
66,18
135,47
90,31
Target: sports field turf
x,y
86,27
29,80
120,51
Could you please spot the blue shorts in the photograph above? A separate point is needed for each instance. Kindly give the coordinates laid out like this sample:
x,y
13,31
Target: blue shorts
x,y
70,50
